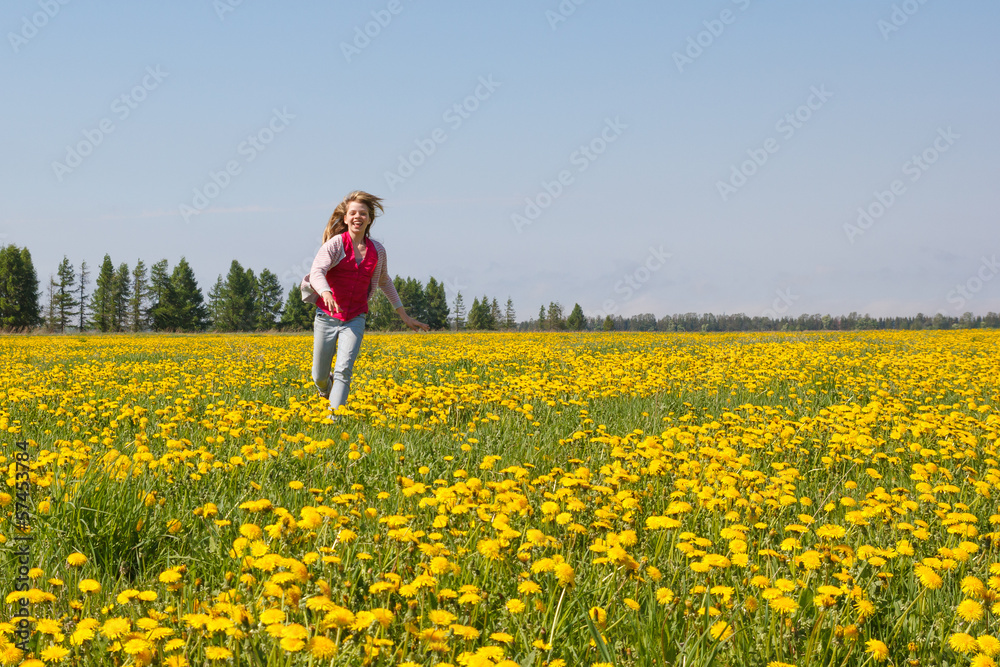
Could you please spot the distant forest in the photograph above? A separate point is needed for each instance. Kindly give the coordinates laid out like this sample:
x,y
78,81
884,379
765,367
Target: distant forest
x,y
158,298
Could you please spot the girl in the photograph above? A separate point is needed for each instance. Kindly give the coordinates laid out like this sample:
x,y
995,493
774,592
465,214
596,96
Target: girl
x,y
343,277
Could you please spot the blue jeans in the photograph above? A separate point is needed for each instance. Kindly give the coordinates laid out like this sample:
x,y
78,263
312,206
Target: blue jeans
x,y
344,338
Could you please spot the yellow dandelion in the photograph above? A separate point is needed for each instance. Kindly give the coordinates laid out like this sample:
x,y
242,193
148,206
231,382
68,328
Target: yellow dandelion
x,y
973,587
528,587
218,653
136,646
515,606
664,595
272,616
170,576
114,628
292,644
54,653
440,617
322,648
783,605
963,643
969,610
565,574
76,559
878,650
928,577
721,631
988,644
89,586
10,654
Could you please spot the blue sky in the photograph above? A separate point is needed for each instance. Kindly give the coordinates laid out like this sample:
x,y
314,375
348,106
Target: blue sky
x,y
713,156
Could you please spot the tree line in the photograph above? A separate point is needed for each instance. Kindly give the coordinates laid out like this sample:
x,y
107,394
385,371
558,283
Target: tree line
x,y
815,322
158,298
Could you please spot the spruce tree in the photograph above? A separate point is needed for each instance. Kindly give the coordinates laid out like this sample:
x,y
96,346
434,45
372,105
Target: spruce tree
x,y
459,312
51,317
140,295
496,317
509,317
609,324
475,316
411,293
31,312
576,320
556,321
19,296
483,317
216,297
159,316
268,300
542,320
66,302
381,316
236,308
188,307
298,315
102,300
437,305
120,294
10,269
82,301
253,302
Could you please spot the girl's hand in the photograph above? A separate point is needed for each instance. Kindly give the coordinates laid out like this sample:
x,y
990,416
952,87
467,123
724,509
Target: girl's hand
x,y
330,302
414,324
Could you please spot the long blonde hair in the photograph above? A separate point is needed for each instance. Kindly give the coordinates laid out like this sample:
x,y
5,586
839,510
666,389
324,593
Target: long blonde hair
x,y
336,225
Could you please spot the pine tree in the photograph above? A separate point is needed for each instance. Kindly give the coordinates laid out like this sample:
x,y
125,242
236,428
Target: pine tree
x,y
159,315
509,317
556,321
476,322
216,297
459,312
188,307
14,312
140,295
268,300
386,315
576,320
27,292
52,310
82,301
120,294
65,301
381,316
496,317
102,300
253,302
298,315
412,295
609,324
437,305
236,308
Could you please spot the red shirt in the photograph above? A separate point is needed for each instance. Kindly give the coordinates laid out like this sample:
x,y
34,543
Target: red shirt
x,y
349,281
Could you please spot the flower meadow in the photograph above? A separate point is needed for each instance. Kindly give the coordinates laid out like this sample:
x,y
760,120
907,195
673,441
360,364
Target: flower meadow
x,y
504,499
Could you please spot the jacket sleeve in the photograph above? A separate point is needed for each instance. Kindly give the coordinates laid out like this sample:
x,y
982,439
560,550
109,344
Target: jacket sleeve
x,y
329,255
384,281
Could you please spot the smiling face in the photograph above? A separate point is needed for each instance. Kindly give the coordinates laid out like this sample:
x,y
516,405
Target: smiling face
x,y
357,218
